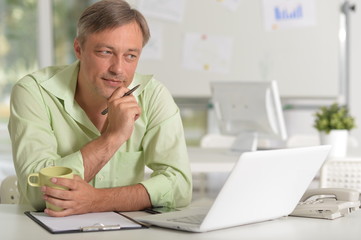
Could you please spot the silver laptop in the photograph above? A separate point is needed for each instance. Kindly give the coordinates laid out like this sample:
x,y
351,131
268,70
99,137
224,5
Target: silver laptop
x,y
263,185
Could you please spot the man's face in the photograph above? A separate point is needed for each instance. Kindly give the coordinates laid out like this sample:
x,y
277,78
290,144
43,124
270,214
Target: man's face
x,y
108,59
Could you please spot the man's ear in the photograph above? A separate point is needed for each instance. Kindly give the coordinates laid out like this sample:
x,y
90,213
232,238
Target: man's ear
x,y
77,48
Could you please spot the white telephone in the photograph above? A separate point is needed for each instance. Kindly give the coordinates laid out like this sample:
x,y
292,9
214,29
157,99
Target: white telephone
x,y
329,203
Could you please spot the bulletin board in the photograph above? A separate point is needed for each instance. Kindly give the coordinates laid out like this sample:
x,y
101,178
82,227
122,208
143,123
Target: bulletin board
x,y
194,42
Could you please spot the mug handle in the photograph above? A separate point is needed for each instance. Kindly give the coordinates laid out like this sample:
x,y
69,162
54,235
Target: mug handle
x,y
34,184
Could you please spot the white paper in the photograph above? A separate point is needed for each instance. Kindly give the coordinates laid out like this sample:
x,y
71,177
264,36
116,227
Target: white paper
x,y
208,53
76,222
284,14
172,10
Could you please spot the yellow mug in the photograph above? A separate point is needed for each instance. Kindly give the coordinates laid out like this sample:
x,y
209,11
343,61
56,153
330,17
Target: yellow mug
x,y
43,178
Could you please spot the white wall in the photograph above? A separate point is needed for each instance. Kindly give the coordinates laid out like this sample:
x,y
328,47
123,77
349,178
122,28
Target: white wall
x,y
297,58
355,70
299,121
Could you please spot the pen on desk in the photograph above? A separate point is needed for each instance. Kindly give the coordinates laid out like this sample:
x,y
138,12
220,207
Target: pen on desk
x,y
105,111
100,228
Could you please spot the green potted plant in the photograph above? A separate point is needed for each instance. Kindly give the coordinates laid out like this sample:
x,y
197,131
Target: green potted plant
x,y
334,123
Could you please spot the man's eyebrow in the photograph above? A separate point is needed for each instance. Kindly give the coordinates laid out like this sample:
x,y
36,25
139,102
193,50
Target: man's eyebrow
x,y
134,50
100,45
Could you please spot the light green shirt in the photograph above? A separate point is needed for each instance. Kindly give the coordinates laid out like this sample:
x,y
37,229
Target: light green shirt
x,y
48,128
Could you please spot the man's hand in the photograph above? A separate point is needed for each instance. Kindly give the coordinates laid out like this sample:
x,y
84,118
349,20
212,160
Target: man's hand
x,y
80,198
123,112
84,198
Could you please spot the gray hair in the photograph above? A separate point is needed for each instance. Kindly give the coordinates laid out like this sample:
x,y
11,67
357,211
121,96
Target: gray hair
x,y
108,14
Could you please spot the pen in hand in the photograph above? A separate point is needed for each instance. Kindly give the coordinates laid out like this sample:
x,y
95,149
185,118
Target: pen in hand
x,y
105,111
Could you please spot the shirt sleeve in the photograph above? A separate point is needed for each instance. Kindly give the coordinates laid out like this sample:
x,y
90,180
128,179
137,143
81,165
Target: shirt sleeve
x,y
33,142
170,184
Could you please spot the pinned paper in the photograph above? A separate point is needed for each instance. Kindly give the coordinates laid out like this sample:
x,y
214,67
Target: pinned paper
x,y
284,14
209,53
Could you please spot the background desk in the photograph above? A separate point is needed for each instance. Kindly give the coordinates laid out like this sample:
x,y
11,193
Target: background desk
x,y
16,226
336,172
204,160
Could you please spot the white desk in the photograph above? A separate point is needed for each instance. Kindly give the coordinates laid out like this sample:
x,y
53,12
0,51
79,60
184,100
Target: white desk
x,y
336,172
16,226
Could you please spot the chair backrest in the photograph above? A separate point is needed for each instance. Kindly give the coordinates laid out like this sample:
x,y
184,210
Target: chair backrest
x,y
9,193
217,141
343,173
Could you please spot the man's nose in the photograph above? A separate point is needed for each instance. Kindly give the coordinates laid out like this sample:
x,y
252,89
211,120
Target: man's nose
x,y
116,66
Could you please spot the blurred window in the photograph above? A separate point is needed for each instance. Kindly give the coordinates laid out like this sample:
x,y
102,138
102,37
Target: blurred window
x,y
18,54
65,19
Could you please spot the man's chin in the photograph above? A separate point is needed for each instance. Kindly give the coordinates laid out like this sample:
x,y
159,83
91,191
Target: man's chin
x,y
107,93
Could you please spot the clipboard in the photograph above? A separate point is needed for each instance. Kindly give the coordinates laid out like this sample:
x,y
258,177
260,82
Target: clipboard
x,y
89,222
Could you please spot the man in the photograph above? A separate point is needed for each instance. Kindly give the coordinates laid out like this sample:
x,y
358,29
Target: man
x,y
56,120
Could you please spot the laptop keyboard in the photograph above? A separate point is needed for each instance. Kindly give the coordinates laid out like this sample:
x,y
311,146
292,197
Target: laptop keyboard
x,y
194,219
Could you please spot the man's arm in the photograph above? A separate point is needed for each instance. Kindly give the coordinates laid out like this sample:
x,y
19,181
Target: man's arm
x,y
83,198
118,127
165,151
35,128
97,153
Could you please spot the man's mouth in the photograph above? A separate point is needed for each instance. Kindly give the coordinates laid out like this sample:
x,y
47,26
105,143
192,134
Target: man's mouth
x,y
111,79
113,82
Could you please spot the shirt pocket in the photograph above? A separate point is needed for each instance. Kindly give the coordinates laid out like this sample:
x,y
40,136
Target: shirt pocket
x,y
126,168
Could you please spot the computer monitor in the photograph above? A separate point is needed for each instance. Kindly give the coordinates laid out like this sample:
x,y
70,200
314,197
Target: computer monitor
x,y
250,111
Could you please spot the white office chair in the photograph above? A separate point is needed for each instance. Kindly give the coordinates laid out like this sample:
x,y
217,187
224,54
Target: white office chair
x,y
211,183
303,140
217,141
9,193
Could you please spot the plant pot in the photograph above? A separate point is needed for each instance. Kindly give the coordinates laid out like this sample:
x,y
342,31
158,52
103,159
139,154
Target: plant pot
x,y
338,140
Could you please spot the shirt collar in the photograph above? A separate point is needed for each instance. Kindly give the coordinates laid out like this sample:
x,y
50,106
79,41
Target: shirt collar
x,y
63,83
63,86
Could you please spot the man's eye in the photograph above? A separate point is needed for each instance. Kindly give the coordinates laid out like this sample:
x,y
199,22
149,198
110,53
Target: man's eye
x,y
131,57
105,52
